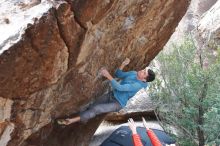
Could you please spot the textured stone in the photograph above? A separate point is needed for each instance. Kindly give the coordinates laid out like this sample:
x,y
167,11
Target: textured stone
x,y
201,22
209,25
197,22
35,62
6,129
52,71
5,109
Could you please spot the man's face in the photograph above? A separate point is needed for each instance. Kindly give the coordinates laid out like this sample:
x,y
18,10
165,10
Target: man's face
x,y
142,74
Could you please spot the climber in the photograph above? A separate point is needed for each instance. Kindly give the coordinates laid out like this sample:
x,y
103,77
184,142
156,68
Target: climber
x,y
131,82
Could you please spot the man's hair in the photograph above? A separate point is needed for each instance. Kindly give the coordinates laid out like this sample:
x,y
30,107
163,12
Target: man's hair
x,y
151,75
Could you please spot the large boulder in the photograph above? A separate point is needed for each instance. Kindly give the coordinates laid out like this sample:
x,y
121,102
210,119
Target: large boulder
x,y
50,71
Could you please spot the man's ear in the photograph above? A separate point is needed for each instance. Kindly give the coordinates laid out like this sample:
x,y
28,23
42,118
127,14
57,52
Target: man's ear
x,y
145,79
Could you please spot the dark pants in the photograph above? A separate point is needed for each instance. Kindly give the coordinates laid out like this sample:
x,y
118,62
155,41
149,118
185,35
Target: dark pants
x,y
104,104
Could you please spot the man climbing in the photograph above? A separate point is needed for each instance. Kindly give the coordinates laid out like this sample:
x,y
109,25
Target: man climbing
x,y
131,82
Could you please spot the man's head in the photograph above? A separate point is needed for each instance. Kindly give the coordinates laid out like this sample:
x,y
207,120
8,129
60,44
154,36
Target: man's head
x,y
151,75
146,75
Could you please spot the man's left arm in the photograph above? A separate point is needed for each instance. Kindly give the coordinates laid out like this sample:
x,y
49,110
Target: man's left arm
x,y
125,87
119,87
119,72
124,63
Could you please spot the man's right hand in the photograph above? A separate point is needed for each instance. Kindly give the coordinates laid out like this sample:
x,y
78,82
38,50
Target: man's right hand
x,y
104,72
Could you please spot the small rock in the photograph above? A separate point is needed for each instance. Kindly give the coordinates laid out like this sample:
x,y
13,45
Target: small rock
x,y
6,20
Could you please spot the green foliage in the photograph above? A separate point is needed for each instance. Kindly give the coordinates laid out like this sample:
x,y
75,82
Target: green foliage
x,y
187,89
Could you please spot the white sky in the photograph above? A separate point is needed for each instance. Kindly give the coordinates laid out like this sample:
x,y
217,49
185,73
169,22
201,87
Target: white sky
x,y
18,16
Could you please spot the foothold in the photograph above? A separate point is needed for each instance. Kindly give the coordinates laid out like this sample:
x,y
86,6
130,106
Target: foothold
x,y
6,20
129,22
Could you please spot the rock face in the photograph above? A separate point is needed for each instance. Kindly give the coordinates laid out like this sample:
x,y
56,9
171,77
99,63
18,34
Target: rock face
x,y
209,25
201,21
51,72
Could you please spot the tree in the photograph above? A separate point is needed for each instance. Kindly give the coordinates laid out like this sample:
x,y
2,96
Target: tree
x,y
187,93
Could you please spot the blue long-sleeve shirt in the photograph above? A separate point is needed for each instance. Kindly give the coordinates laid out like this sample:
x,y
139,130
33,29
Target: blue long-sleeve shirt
x,y
128,86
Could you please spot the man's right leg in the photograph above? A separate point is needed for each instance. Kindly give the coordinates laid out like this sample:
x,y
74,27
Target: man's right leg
x,y
98,109
93,111
105,98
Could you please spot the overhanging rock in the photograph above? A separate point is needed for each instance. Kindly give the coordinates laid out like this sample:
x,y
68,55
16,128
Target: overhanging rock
x,y
51,71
